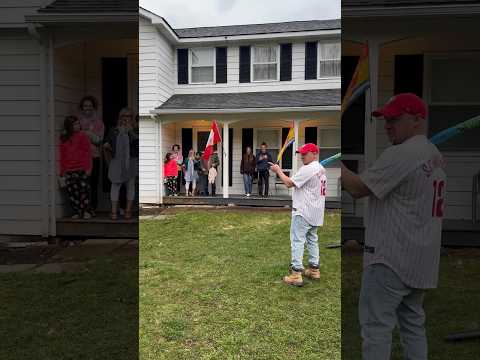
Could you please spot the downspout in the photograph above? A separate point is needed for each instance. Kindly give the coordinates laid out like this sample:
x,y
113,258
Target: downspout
x,y
52,142
44,138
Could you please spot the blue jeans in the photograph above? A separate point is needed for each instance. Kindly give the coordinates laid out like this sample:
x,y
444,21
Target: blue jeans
x,y
386,302
302,232
247,183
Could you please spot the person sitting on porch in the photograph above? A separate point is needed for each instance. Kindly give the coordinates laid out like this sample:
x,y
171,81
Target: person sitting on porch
x,y
213,164
76,166
121,146
94,128
308,207
177,155
170,174
247,169
190,172
263,160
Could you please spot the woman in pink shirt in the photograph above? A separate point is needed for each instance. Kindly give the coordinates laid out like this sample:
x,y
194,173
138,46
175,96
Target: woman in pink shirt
x,y
170,173
76,166
93,127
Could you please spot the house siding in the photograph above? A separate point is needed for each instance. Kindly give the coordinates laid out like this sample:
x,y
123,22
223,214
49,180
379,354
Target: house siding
x,y
12,12
20,136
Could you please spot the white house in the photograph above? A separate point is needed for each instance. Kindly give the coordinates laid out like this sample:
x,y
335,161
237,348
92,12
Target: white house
x,y
52,53
429,48
255,80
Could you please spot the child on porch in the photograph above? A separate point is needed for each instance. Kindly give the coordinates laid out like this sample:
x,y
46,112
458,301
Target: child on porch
x,y
170,174
212,173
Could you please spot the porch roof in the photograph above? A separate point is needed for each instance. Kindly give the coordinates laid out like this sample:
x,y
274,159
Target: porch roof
x,y
257,101
252,29
90,6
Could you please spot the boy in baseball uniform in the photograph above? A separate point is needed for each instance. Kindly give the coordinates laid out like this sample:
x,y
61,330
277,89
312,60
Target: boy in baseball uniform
x,y
406,189
308,206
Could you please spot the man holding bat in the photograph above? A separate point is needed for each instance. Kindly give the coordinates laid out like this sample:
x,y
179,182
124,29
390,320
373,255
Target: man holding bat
x,y
406,192
308,207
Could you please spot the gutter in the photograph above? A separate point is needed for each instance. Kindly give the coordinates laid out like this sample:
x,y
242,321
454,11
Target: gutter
x,y
247,110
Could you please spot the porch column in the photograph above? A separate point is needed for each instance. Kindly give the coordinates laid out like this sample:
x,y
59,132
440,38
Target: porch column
x,y
371,103
159,160
225,159
295,146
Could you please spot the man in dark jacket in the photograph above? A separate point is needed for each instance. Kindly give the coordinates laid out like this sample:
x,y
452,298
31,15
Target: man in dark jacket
x,y
263,158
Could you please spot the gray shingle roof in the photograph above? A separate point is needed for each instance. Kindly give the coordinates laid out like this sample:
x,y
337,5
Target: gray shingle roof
x,y
90,6
395,3
272,99
293,26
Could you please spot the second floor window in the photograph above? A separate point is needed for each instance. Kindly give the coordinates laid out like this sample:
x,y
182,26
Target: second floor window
x,y
265,63
329,64
202,65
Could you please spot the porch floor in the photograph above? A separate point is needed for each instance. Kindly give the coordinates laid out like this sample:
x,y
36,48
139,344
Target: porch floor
x,y
239,200
100,226
455,232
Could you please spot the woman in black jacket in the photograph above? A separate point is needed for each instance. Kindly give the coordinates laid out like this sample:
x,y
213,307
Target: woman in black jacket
x,y
247,169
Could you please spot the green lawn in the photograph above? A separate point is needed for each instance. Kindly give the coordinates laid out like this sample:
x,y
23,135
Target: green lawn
x,y
453,307
90,315
210,288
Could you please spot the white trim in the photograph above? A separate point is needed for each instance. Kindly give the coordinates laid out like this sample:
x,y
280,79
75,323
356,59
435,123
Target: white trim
x,y
318,59
252,80
225,162
52,142
44,140
159,159
214,52
81,18
247,110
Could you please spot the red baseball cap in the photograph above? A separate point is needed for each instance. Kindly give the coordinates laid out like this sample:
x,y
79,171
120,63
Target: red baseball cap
x,y
406,103
308,148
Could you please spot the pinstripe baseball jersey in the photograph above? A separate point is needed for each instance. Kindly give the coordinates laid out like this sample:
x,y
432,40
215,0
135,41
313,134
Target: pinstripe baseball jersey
x,y
308,198
404,218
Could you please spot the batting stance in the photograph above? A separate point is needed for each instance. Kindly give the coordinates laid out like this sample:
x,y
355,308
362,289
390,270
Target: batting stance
x,y
308,207
406,193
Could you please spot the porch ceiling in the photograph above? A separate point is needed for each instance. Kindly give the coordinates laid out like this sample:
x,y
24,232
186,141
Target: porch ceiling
x,y
257,101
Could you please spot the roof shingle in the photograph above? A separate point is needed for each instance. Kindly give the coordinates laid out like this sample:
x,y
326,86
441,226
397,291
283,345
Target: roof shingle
x,y
251,29
90,6
272,99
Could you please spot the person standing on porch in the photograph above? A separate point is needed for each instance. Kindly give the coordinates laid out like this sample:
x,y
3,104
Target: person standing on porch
x,y
406,197
177,155
94,128
213,164
191,176
170,174
121,145
76,166
263,160
247,169
203,174
308,207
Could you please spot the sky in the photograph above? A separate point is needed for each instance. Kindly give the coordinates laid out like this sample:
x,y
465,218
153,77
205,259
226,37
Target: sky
x,y
196,13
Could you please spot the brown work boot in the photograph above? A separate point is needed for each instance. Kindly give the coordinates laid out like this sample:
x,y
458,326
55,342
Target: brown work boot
x,y
295,278
312,273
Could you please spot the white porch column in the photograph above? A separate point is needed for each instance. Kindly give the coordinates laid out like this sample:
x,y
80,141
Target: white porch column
x,y
295,146
371,103
225,164
159,160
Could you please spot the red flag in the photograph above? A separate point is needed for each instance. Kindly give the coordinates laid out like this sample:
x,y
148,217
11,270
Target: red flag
x,y
213,138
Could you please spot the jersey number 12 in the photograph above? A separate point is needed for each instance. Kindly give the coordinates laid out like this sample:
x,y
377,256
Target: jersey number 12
x,y
323,188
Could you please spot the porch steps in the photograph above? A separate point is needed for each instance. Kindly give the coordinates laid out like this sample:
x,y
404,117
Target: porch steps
x,y
459,233
100,226
238,200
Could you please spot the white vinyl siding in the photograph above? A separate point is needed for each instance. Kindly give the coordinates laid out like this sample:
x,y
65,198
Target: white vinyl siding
x,y
265,63
201,65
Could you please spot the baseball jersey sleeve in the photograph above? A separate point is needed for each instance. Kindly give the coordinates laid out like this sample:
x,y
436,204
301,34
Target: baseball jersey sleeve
x,y
390,169
304,174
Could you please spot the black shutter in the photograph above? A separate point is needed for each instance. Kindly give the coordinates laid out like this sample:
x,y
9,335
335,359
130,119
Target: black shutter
x,y
244,64
247,139
288,153
187,141
310,60
182,62
408,74
285,62
311,135
221,65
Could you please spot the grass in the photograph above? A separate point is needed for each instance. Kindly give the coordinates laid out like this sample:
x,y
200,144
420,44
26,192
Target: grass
x,y
87,315
452,307
210,288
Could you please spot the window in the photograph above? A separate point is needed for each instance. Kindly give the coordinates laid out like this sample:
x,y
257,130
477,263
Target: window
x,y
330,144
454,98
202,65
265,65
329,64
